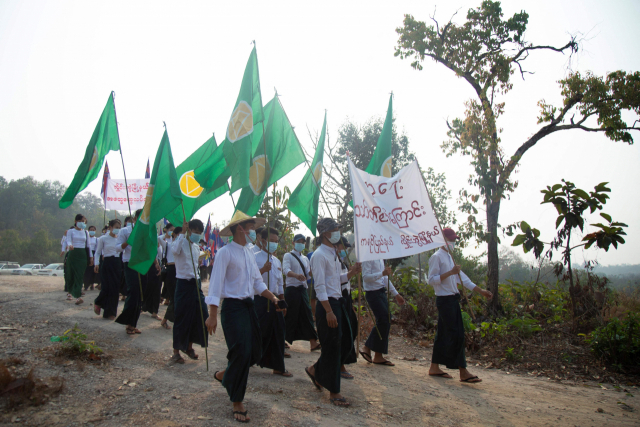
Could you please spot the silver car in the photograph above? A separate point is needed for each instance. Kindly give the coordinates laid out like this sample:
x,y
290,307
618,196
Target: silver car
x,y
27,270
8,268
52,270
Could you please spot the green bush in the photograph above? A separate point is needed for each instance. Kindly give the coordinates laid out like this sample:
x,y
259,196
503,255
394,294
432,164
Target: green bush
x,y
618,342
76,341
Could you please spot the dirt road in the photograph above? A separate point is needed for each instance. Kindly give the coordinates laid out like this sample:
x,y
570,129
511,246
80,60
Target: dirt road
x,y
187,395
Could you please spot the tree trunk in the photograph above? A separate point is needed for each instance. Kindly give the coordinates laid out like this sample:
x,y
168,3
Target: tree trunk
x,y
493,273
572,289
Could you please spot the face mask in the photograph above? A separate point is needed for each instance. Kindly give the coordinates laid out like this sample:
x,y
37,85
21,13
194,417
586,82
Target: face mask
x,y
273,246
298,247
92,233
451,245
335,237
104,232
252,235
81,225
115,231
343,253
195,238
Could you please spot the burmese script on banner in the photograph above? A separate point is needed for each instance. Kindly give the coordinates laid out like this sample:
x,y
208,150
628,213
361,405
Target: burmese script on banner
x,y
392,216
116,197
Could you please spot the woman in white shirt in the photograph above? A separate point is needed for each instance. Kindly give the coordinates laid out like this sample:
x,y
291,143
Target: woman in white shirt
x,y
78,258
110,270
89,276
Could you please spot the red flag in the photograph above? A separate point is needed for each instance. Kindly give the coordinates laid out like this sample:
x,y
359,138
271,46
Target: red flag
x,y
105,178
147,174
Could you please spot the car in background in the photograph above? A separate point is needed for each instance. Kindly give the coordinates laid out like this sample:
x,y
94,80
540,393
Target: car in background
x,y
52,270
27,270
8,267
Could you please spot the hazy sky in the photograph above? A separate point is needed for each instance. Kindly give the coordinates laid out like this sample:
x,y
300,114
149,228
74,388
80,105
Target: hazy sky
x,y
182,62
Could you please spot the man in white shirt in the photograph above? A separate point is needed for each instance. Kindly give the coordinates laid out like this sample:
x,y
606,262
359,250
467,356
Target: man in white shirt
x,y
271,321
110,271
236,278
169,289
448,348
299,319
190,308
332,319
376,281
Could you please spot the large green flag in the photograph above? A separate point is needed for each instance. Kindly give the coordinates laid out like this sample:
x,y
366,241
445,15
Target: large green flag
x,y
381,163
104,139
247,113
303,202
195,196
163,196
283,154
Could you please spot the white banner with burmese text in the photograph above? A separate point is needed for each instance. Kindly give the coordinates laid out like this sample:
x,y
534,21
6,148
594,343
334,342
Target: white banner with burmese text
x,y
392,217
116,197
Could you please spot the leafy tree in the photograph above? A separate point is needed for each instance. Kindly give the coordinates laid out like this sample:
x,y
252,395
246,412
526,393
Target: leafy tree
x,y
485,52
275,209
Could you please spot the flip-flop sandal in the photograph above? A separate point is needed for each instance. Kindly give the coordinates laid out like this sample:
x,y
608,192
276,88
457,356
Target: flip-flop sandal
x,y
316,348
165,325
130,332
340,399
366,356
79,301
244,414
176,358
96,309
346,375
471,380
69,298
216,377
137,331
287,356
442,375
385,363
192,354
313,379
286,374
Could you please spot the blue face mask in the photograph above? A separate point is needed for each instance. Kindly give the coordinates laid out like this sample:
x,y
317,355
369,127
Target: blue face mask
x,y
343,253
335,237
81,225
115,231
299,247
273,246
195,238
92,233
252,235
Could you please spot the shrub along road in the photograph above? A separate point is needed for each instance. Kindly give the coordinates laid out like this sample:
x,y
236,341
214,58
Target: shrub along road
x,y
133,384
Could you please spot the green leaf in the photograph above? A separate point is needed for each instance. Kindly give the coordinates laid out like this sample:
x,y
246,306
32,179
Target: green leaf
x,y
559,220
520,239
581,193
556,187
524,226
536,233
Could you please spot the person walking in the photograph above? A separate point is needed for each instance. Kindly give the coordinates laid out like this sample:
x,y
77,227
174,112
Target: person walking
x,y
109,268
79,258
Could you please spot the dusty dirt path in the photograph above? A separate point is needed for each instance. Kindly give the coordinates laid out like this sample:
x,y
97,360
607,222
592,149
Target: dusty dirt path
x,y
187,395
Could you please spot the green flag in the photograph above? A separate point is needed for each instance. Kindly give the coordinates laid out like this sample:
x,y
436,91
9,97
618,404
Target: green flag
x,y
247,113
195,196
303,202
284,153
163,196
104,139
381,163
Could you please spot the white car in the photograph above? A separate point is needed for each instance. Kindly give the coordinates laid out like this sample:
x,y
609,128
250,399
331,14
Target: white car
x,y
27,270
52,270
8,268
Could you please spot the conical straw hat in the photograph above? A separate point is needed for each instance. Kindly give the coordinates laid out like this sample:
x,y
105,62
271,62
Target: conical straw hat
x,y
238,218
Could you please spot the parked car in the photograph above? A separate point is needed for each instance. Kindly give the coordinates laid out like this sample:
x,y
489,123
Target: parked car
x,y
27,270
52,270
8,262
8,268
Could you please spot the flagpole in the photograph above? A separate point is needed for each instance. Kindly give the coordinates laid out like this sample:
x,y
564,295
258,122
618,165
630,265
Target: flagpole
x,y
464,294
195,277
266,162
126,186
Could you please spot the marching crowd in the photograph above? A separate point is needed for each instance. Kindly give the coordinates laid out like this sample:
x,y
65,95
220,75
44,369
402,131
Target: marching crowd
x,y
264,302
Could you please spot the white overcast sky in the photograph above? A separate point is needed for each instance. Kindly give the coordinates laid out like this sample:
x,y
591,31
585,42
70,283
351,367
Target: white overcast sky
x,y
182,62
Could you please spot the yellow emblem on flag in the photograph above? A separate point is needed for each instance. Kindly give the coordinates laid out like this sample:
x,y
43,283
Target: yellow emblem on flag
x,y
258,174
317,173
387,167
189,186
94,159
241,123
145,216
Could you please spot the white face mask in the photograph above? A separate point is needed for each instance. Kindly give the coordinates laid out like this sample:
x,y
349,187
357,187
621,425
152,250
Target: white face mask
x,y
335,237
451,245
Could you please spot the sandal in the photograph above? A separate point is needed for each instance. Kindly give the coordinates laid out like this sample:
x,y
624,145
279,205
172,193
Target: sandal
x,y
346,375
316,348
191,353
96,309
136,331
215,376
176,358
341,400
287,356
79,301
69,298
366,356
283,374
441,374
315,383
130,331
471,380
385,363
165,325
244,414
